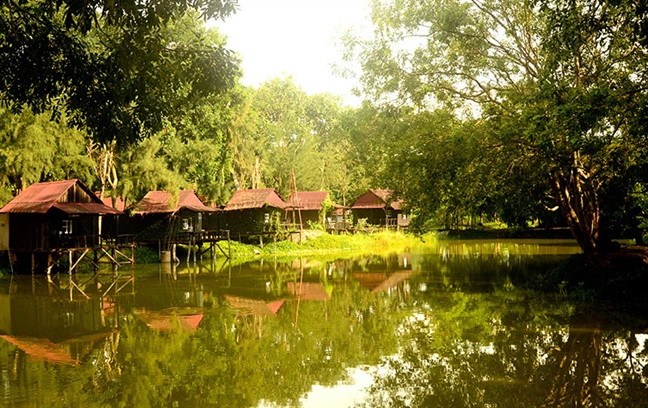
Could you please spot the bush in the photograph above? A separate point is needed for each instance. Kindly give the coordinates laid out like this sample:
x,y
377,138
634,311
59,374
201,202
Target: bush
x,y
144,255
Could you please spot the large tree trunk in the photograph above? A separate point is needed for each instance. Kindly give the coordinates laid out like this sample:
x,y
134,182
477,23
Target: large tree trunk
x,y
576,194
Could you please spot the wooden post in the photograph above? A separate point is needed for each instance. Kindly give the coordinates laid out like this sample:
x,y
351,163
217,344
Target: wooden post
x,y
229,245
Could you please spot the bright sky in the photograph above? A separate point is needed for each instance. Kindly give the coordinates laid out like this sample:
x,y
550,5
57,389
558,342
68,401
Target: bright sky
x,y
294,37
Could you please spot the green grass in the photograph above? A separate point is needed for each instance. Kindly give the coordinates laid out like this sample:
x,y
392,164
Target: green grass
x,y
329,244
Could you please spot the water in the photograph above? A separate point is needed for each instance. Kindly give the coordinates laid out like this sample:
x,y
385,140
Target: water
x,y
451,326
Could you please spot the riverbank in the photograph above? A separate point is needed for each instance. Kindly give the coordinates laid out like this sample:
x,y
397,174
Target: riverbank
x,y
506,233
322,244
386,241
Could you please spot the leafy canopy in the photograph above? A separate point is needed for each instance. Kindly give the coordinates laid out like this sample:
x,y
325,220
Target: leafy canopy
x,y
110,65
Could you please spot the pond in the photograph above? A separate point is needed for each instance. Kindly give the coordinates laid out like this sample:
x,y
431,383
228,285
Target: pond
x,y
450,325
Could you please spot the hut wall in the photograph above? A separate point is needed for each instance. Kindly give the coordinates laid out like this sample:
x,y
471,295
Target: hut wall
x,y
292,217
249,221
48,316
213,221
30,232
4,232
76,194
150,227
5,314
374,216
310,215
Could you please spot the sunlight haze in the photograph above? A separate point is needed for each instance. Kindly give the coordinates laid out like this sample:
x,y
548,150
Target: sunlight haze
x,y
293,37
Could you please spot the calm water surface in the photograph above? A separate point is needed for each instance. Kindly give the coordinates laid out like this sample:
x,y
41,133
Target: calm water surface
x,y
449,326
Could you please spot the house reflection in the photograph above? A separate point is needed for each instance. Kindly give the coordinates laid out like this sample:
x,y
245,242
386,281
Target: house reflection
x,y
41,318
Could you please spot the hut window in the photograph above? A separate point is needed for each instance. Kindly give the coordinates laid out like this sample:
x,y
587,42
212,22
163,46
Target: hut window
x,y
389,213
66,228
186,225
404,216
266,218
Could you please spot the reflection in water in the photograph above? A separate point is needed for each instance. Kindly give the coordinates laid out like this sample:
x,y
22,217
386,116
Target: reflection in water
x,y
448,327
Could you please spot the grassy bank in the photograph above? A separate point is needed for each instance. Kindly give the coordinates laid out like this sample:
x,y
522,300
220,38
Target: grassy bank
x,y
328,244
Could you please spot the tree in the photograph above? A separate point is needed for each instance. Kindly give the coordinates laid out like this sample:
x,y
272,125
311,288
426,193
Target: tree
x,y
109,66
285,130
560,84
34,149
144,168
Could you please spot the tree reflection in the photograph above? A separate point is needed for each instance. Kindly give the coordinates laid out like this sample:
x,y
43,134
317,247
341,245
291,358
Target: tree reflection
x,y
459,330
500,350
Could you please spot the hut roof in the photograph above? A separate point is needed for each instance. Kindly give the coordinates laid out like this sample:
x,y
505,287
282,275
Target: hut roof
x,y
42,349
162,202
39,198
186,319
308,200
377,282
109,202
377,199
308,290
257,198
253,307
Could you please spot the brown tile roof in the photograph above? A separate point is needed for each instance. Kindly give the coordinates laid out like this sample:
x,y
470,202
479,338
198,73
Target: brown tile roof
x,y
307,200
109,202
41,197
377,199
86,208
257,198
42,349
161,202
187,319
377,282
253,307
308,290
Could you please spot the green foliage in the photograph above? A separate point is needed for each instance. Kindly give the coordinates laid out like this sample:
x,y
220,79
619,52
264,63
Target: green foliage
x,y
34,149
278,129
361,223
144,168
550,98
111,67
286,133
327,206
146,255
380,242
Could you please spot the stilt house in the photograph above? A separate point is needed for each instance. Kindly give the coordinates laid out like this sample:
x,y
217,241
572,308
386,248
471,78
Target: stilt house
x,y
50,217
380,208
251,212
160,217
306,206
